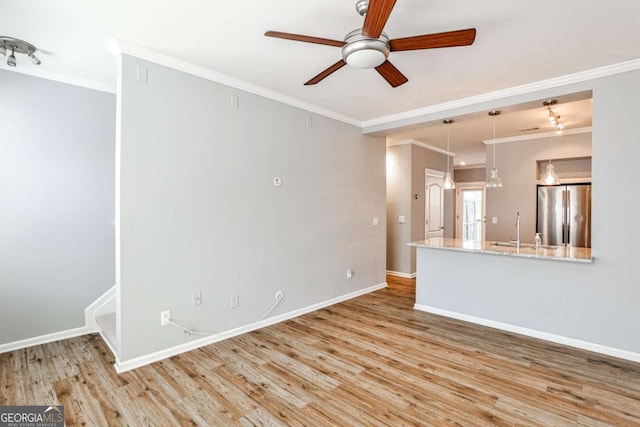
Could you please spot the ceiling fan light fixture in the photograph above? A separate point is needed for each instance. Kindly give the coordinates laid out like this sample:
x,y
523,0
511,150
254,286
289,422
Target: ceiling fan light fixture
x,y
369,47
365,58
364,52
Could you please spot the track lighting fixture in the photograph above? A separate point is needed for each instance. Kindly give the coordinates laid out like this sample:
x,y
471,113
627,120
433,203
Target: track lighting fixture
x,y
554,118
34,59
11,60
14,46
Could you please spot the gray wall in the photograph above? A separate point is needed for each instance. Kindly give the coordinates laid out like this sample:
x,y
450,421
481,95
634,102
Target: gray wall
x,y
56,204
471,175
517,164
421,159
405,179
597,303
199,210
399,202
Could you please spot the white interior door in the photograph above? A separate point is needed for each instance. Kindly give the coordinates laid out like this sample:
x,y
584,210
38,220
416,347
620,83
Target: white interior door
x,y
434,204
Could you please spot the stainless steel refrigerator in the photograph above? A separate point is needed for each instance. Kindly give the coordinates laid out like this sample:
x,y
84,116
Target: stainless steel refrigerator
x,y
564,215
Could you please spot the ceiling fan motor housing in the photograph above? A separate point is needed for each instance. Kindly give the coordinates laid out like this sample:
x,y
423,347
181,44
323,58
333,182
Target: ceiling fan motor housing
x,y
365,52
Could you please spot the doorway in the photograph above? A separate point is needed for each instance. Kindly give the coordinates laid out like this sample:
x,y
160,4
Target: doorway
x,y
470,211
433,204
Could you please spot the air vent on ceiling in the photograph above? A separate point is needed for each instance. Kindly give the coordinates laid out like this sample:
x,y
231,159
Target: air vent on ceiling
x,y
528,129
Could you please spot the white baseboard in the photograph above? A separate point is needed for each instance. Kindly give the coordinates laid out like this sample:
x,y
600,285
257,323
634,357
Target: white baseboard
x,y
127,365
109,344
88,328
558,339
93,310
43,339
400,274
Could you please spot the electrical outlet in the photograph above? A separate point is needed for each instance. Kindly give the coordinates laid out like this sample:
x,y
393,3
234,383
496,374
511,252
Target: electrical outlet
x,y
279,295
197,297
235,301
375,221
165,316
494,220
349,274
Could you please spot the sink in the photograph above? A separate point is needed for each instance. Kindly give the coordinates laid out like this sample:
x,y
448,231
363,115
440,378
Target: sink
x,y
522,245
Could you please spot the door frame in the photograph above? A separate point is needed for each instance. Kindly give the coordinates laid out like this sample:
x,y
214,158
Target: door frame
x,y
476,185
434,174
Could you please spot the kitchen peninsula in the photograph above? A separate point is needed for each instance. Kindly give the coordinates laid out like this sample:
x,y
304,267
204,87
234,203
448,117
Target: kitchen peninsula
x,y
528,291
558,253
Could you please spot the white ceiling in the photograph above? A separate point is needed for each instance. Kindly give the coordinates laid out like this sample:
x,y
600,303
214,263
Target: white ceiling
x,y
468,132
517,43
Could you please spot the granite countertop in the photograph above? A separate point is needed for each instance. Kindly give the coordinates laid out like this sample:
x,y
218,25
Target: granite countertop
x,y
557,253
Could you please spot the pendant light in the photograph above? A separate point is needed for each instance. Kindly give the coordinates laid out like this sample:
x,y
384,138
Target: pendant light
x,y
550,177
494,180
448,183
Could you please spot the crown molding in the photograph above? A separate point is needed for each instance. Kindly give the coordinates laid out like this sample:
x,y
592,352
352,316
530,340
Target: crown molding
x,y
552,83
420,144
124,48
466,167
60,78
540,135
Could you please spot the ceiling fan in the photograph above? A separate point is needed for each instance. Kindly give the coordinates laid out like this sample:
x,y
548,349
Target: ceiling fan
x,y
369,47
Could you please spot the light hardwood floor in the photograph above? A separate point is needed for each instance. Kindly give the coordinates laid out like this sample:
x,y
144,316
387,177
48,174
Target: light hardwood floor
x,y
372,360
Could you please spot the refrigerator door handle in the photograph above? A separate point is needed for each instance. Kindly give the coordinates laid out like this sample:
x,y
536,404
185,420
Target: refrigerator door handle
x,y
563,218
568,218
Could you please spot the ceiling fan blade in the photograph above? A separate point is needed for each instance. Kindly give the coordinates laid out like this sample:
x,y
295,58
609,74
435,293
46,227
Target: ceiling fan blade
x,y
378,13
326,73
433,41
391,74
301,38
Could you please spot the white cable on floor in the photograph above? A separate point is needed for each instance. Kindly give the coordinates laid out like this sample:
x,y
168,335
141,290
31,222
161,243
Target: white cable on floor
x,y
279,298
187,330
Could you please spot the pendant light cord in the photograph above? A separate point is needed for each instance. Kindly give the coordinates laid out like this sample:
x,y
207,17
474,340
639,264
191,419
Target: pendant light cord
x,y
494,142
448,151
549,151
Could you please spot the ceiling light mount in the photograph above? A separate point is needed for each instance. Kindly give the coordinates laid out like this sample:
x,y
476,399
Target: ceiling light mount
x,y
17,46
362,6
